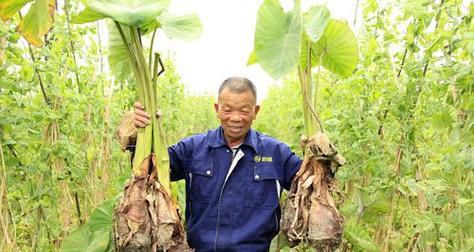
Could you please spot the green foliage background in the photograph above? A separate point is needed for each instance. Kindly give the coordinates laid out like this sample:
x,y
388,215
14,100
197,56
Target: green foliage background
x,y
403,121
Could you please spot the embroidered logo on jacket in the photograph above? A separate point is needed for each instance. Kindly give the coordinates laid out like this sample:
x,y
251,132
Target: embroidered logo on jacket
x,y
262,159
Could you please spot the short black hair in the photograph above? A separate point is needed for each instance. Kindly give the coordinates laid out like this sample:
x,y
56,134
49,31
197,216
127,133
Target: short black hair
x,y
238,85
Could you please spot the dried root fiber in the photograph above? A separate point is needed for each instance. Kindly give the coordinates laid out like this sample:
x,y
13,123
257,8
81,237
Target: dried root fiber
x,y
126,132
147,218
310,214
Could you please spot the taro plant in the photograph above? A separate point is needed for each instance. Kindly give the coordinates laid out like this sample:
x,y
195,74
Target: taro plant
x,y
294,40
297,40
146,217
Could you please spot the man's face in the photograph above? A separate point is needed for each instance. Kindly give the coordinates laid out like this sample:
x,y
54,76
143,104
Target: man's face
x,y
236,113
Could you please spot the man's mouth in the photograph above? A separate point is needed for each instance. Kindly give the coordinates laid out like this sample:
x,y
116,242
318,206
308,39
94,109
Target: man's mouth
x,y
234,129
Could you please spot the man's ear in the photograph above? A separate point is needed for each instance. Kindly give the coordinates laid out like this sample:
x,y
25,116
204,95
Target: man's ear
x,y
257,108
216,107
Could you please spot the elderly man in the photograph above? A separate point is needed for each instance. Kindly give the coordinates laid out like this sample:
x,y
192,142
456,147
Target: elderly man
x,y
234,175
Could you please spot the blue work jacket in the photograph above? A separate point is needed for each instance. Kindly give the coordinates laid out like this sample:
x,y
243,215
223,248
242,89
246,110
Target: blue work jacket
x,y
237,210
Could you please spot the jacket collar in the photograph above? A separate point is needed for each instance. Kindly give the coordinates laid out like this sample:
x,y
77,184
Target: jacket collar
x,y
215,138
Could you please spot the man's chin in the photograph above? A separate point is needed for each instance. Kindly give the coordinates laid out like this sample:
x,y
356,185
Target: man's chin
x,y
236,137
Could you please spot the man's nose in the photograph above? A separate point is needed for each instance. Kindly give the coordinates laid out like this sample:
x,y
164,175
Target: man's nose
x,y
235,116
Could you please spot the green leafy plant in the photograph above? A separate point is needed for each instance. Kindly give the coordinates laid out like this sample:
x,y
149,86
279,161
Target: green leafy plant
x,y
95,234
37,21
285,42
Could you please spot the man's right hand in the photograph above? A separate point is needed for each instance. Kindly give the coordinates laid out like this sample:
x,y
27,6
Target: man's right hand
x,y
141,117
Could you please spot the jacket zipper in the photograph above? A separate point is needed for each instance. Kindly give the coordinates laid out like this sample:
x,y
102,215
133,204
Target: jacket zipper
x,y
275,214
232,166
218,215
190,208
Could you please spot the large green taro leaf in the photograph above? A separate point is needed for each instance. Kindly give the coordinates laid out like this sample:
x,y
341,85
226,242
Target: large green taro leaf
x,y
337,49
102,216
94,236
186,27
252,58
77,240
98,241
131,12
315,21
119,61
82,240
278,37
87,15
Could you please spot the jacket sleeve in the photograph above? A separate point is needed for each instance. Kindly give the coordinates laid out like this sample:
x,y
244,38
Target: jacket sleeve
x,y
178,154
291,164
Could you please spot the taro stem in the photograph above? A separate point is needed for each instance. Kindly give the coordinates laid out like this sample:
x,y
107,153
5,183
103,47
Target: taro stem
x,y
159,140
311,119
150,139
